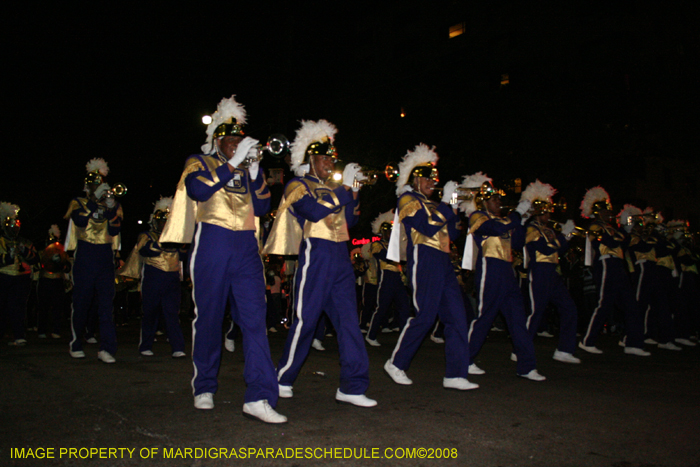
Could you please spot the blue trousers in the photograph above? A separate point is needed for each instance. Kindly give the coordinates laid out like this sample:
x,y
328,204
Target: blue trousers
x,y
369,303
93,277
50,299
687,299
225,265
614,290
498,290
390,289
656,299
435,292
546,286
160,290
14,292
325,282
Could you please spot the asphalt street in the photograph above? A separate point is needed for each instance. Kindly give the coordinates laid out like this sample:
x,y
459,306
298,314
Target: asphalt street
x,y
612,410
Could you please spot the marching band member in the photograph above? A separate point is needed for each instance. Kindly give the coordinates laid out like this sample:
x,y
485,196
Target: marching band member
x,y
544,246
51,290
17,255
312,221
390,288
216,202
429,227
686,284
93,232
658,319
611,279
158,267
498,287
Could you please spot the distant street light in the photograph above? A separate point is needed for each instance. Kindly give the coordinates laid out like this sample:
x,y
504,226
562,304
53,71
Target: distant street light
x,y
206,119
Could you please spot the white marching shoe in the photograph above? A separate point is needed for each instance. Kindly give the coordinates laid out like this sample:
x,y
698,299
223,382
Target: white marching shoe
x,y
318,345
683,341
372,342
105,357
590,348
399,376
263,411
77,354
475,370
565,357
230,345
204,401
359,400
461,384
533,375
636,351
285,392
669,346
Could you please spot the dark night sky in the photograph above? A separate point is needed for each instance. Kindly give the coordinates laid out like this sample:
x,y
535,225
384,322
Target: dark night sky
x,y
591,93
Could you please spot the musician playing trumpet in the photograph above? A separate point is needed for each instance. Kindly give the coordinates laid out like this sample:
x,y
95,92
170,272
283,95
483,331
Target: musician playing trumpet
x,y
313,221
93,233
543,246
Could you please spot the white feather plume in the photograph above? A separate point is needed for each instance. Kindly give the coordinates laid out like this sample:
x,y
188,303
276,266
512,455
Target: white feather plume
x,y
382,218
227,108
658,218
8,210
471,182
538,190
676,223
55,231
163,204
308,133
97,164
591,197
422,154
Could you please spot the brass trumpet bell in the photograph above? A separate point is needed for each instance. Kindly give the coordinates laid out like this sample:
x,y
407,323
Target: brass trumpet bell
x,y
391,172
276,145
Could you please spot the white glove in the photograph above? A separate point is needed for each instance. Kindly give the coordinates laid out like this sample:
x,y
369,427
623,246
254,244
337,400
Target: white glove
x,y
349,174
568,227
242,151
253,170
101,190
523,207
448,193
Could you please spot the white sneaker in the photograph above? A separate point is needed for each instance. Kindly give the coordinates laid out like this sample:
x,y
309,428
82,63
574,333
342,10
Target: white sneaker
x,y
669,346
475,370
534,375
363,330
18,342
263,411
285,392
591,349
461,384
650,341
359,400
387,331
637,352
437,340
92,340
687,342
318,345
179,354
77,354
513,357
230,344
399,376
105,356
545,334
204,401
147,353
372,342
565,357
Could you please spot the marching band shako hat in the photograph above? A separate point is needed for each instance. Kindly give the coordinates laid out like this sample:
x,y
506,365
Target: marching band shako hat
x,y
8,213
629,217
481,186
595,200
54,233
96,169
383,222
312,139
161,210
420,162
228,120
540,195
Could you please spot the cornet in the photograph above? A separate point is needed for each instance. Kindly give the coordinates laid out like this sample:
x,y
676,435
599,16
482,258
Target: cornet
x,y
117,191
276,145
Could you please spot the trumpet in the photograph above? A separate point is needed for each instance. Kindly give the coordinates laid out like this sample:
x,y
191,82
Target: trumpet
x,y
577,232
276,145
461,193
391,172
366,175
117,191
